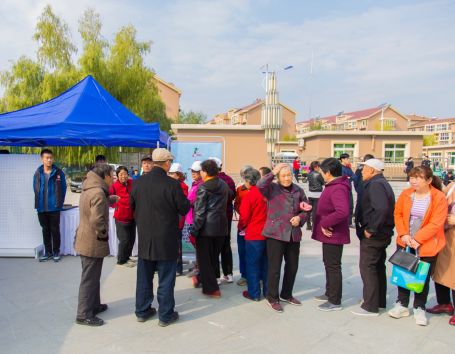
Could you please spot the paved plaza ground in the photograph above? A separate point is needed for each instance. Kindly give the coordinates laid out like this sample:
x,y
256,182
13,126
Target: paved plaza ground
x,y
38,306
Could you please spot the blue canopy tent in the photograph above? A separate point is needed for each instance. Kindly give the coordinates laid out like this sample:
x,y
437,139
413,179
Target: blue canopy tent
x,y
84,115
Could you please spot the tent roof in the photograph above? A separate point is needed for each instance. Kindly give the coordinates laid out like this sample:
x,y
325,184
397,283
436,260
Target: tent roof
x,y
84,115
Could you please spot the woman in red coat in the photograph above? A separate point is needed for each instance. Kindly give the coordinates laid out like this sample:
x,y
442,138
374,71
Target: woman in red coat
x,y
176,172
253,215
124,217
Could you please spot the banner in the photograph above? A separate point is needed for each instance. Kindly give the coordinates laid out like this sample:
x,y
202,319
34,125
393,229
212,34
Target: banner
x,y
186,153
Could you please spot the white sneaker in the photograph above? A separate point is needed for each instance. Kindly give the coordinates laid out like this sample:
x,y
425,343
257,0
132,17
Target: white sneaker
x,y
229,278
399,311
219,281
420,317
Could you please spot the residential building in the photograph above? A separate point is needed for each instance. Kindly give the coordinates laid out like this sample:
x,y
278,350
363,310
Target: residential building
x,y
170,95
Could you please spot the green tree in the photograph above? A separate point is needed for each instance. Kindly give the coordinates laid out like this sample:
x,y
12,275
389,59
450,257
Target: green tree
x,y
118,66
192,117
316,125
430,140
54,41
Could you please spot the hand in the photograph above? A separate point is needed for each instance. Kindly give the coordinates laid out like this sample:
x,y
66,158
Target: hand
x,y
451,219
295,221
367,234
406,240
305,206
414,244
326,232
278,168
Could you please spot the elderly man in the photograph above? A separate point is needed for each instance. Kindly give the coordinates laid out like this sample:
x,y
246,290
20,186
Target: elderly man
x,y
91,242
375,224
158,200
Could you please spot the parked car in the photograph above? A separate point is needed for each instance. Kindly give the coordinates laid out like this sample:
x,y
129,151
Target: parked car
x,y
76,184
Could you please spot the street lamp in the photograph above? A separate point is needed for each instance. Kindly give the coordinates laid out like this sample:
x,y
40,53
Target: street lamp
x,y
272,115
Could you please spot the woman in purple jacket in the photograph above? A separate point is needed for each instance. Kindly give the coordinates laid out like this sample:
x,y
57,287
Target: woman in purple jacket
x,y
331,227
283,232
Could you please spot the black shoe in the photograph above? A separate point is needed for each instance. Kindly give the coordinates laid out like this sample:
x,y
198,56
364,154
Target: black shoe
x,y
101,308
94,321
147,316
174,318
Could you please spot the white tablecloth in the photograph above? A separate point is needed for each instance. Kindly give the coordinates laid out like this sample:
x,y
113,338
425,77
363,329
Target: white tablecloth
x,y
69,221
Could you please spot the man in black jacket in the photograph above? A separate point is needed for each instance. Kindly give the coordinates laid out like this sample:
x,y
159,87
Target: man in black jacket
x,y
375,226
158,200
210,226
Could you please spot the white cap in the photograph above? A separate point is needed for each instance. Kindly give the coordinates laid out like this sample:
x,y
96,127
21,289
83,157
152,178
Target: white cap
x,y
175,167
378,165
217,160
196,166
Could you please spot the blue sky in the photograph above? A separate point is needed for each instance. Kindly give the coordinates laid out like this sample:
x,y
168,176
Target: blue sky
x,y
365,52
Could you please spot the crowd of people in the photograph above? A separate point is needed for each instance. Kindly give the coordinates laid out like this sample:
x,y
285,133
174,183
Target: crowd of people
x,y
272,211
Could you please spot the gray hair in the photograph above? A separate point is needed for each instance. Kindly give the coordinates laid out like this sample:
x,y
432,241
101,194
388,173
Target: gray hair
x,y
243,169
102,169
252,176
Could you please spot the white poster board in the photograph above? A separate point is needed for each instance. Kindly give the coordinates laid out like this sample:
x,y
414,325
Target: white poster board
x,y
20,231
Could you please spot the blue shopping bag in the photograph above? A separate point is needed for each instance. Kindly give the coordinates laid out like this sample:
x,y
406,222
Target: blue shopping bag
x,y
408,280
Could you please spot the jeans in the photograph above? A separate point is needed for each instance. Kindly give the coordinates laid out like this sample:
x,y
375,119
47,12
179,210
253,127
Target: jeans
x,y
144,287
242,260
373,272
331,255
126,235
89,289
276,251
50,223
256,264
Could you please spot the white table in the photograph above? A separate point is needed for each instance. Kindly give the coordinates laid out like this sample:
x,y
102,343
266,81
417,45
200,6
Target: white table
x,y
69,222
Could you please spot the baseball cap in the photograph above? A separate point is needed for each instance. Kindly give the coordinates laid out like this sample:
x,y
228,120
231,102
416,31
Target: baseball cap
x,y
161,155
196,166
217,160
374,163
175,167
146,157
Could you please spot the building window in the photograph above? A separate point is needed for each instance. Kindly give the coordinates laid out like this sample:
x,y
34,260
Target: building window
x,y
429,128
394,153
443,138
441,127
451,156
339,149
390,123
364,123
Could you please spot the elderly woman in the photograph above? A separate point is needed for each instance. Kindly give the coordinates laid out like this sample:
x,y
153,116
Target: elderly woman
x,y
240,193
186,234
124,217
331,228
283,232
444,272
420,215
210,226
91,242
176,173
253,215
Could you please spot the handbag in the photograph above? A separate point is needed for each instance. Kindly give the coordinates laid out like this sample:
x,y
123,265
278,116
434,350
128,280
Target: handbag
x,y
405,260
412,281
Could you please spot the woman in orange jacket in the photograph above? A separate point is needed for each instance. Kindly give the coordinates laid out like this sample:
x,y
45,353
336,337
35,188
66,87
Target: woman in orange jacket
x,y
420,215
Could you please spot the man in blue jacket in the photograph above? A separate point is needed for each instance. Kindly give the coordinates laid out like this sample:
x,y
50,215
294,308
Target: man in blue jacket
x,y
49,185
